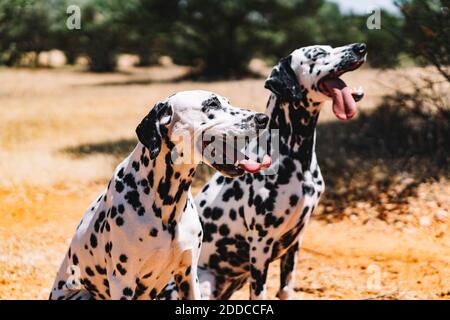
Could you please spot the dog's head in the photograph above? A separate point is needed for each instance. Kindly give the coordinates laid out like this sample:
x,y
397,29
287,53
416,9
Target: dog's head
x,y
205,126
310,76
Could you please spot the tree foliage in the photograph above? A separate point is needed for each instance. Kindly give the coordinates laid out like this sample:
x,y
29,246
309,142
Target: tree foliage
x,y
217,37
150,27
427,28
24,27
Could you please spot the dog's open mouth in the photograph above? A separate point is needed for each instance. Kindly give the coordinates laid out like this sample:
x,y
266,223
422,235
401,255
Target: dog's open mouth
x,y
344,98
235,164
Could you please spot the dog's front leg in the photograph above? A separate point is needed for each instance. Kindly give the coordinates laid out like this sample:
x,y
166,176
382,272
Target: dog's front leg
x,y
288,265
121,288
259,264
186,278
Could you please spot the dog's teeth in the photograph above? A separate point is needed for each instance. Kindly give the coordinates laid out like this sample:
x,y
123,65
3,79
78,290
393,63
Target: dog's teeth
x,y
358,90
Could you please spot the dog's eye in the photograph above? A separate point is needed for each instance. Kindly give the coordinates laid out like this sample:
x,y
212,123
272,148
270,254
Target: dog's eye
x,y
211,104
321,54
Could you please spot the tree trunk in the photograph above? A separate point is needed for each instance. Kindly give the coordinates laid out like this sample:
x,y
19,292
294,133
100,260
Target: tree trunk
x,y
102,60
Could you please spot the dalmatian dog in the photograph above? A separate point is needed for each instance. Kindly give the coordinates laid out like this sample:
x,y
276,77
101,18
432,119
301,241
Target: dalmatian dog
x,y
252,220
144,229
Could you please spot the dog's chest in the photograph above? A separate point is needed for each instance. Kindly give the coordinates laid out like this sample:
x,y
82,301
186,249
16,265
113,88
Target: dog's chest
x,y
286,195
287,206
117,242
299,198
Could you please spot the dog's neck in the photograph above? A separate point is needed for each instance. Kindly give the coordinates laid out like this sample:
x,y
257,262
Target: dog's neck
x,y
296,122
164,184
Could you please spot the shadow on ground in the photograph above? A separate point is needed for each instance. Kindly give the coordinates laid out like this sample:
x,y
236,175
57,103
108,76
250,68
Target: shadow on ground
x,y
356,169
188,75
141,82
120,149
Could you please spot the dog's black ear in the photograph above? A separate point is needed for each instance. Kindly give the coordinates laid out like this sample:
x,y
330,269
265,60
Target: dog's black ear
x,y
152,128
283,81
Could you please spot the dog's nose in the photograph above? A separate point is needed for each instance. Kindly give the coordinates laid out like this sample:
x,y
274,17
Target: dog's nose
x,y
360,48
261,120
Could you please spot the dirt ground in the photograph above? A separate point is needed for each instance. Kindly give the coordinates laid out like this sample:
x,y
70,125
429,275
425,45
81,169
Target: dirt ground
x,y
63,131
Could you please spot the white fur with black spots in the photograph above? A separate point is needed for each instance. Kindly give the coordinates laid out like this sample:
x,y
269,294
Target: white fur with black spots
x,y
144,229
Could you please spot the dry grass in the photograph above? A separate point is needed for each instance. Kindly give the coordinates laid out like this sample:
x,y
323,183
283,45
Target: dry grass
x,y
63,131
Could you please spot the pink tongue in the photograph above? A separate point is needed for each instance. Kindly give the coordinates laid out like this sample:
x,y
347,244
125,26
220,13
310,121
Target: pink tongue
x,y
344,106
252,166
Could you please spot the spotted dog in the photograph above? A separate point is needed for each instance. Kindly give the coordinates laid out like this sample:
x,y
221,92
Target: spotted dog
x,y
144,229
250,221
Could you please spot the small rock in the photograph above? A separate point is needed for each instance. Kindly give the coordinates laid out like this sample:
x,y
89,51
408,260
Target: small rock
x,y
425,221
399,224
441,215
409,230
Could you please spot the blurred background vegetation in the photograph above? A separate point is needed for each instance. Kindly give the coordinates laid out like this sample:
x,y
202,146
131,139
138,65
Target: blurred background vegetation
x,y
217,37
